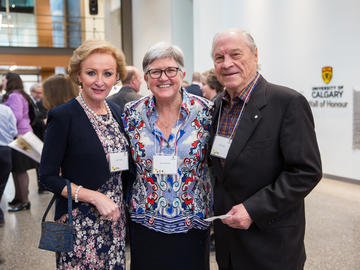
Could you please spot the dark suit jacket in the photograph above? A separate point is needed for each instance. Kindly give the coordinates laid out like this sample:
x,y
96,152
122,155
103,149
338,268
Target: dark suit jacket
x,y
194,89
125,95
72,145
38,124
272,164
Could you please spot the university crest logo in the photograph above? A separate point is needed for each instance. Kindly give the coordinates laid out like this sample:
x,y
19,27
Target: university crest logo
x,y
327,73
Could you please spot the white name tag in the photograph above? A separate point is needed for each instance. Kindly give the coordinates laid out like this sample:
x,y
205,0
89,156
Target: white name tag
x,y
164,164
119,161
220,147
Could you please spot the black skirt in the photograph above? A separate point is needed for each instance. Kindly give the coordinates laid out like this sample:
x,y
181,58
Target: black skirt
x,y
153,250
21,162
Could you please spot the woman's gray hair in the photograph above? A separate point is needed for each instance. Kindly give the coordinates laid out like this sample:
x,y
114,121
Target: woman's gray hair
x,y
163,50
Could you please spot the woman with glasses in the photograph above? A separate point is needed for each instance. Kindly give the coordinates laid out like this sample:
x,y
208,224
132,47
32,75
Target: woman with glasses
x,y
171,196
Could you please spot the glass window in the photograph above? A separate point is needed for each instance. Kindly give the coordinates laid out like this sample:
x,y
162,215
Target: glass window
x,y
20,6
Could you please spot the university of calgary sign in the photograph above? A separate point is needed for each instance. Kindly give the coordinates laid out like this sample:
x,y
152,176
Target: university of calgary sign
x,y
327,95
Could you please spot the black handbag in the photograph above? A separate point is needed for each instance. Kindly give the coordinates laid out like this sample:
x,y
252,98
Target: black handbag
x,y
57,236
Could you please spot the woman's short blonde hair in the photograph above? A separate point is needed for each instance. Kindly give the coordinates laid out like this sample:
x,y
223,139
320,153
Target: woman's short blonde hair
x,y
96,46
58,89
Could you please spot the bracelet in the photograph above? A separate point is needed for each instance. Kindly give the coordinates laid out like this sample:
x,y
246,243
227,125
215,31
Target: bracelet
x,y
76,193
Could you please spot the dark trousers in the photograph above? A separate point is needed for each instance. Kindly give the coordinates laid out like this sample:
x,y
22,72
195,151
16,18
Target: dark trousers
x,y
153,250
229,267
5,169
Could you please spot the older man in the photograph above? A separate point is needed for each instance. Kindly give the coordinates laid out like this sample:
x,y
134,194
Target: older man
x,y
38,124
36,92
265,159
130,88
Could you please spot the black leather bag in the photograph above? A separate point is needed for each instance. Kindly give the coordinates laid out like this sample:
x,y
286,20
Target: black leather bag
x,y
57,236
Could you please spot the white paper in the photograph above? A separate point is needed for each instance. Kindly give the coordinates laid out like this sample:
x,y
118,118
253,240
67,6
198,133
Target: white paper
x,y
29,145
217,217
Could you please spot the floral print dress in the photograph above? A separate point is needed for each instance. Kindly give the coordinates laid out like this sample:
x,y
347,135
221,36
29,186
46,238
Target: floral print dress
x,y
99,243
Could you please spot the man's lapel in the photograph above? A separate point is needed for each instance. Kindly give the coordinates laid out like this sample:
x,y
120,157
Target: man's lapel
x,y
248,122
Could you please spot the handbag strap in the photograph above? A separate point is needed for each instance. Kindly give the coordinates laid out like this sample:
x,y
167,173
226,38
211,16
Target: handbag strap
x,y
69,204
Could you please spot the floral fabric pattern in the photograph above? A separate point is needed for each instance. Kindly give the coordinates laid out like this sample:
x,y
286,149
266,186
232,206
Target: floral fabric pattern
x,y
163,202
99,243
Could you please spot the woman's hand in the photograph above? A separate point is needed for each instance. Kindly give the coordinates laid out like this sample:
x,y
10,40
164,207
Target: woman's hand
x,y
106,207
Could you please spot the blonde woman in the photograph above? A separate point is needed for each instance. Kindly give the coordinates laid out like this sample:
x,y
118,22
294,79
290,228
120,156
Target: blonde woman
x,y
82,137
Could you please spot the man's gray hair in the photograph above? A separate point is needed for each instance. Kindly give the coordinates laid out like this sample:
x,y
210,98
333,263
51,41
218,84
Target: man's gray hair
x,y
246,35
34,86
163,50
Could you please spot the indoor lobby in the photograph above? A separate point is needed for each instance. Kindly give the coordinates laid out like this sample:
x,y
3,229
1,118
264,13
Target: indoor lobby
x,y
296,41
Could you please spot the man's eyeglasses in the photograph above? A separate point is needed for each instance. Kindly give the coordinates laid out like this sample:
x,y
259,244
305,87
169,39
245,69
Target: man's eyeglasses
x,y
170,72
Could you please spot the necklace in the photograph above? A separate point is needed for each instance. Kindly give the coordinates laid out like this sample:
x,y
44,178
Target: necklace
x,y
97,117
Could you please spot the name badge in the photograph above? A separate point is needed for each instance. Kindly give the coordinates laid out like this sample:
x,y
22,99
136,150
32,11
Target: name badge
x,y
164,164
119,161
220,147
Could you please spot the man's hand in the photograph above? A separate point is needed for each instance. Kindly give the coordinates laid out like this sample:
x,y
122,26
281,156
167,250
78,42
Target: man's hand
x,y
240,218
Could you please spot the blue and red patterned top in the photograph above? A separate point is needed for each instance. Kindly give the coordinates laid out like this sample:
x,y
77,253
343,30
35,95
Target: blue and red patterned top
x,y
170,203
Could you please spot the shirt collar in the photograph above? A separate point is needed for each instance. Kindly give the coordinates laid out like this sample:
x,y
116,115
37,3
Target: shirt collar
x,y
187,102
243,94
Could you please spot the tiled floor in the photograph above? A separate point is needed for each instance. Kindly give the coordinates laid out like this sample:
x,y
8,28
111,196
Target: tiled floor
x,y
332,233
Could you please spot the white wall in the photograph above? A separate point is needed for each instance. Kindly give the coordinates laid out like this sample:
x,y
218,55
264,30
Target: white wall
x,y
162,20
182,32
151,24
296,39
112,22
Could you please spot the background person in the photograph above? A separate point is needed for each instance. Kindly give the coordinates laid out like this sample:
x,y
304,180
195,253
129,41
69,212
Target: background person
x,y
19,102
211,87
7,133
130,88
185,84
81,139
194,87
168,204
36,92
58,89
38,124
2,87
272,162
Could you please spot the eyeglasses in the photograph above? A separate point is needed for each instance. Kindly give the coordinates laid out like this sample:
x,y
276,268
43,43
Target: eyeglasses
x,y
170,72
